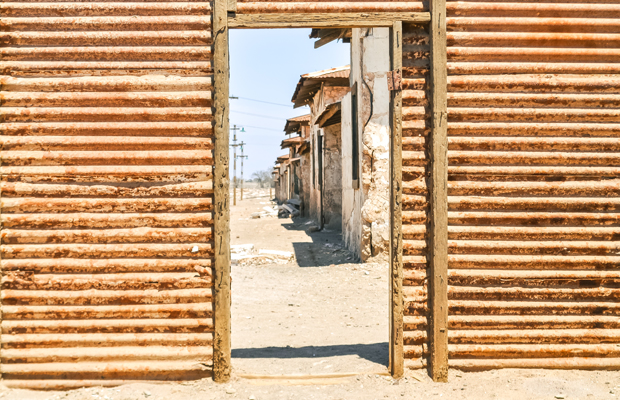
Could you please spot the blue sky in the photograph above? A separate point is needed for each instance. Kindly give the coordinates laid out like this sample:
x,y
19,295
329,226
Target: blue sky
x,y
265,65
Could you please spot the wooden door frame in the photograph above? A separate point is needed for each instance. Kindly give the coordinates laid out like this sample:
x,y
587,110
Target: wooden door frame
x,y
396,342
224,17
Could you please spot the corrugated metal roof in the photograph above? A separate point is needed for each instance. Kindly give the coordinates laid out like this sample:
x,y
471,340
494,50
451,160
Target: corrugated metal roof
x,y
309,84
291,142
301,118
283,158
295,124
338,72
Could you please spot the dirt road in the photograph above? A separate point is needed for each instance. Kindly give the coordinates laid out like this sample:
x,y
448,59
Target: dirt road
x,y
317,328
320,314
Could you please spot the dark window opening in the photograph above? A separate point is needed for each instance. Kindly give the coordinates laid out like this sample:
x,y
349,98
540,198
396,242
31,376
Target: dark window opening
x,y
319,150
314,165
355,157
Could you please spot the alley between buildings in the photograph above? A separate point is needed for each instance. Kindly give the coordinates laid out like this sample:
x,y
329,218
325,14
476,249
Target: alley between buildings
x,y
317,313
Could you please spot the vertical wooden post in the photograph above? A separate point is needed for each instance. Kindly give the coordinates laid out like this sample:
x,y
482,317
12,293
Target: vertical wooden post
x,y
1,270
221,196
397,362
438,191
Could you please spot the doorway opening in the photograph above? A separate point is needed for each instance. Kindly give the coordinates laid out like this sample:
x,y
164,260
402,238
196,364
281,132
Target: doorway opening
x,y
310,218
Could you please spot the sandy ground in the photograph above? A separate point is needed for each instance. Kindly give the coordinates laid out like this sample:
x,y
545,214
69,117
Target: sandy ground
x,y
317,328
318,315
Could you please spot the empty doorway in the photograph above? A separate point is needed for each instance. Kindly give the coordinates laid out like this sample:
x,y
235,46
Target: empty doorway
x,y
321,310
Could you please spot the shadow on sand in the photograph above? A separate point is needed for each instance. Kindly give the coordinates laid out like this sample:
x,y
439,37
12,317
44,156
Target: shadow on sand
x,y
375,352
325,249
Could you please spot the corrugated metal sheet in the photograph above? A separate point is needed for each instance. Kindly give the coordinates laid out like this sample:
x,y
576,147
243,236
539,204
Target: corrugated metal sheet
x,y
534,194
294,125
106,193
271,6
415,194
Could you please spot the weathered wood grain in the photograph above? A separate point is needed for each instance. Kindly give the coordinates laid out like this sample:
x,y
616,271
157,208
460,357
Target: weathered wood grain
x,y
438,191
397,363
221,183
318,20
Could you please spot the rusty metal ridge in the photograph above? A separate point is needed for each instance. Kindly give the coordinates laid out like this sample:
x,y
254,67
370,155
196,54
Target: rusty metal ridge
x,y
328,7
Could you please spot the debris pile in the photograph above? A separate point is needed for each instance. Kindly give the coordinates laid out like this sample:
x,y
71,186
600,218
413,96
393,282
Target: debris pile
x,y
266,212
290,209
246,254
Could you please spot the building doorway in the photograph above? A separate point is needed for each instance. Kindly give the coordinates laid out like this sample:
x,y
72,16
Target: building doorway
x,y
320,310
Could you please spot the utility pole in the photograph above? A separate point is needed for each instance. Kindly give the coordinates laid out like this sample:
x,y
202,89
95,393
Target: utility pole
x,y
234,146
242,157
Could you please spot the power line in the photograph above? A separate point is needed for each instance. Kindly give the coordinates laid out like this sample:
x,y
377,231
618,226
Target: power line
x,y
258,115
262,101
263,128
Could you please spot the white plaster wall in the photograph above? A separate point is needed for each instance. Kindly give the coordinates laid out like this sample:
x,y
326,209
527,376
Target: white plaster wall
x,y
370,62
351,199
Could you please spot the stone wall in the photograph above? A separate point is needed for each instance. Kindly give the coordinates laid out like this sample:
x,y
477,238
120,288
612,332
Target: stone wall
x,y
332,178
351,198
370,63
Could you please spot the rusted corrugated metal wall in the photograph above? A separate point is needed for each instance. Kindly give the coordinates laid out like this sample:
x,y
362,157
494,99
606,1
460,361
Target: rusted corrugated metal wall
x,y
534,157
106,192
326,6
415,195
534,188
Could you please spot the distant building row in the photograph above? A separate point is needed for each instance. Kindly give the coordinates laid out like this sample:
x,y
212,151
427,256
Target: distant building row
x,y
338,160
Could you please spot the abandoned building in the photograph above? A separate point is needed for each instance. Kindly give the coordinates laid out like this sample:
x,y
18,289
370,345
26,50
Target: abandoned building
x,y
318,90
289,168
315,150
346,185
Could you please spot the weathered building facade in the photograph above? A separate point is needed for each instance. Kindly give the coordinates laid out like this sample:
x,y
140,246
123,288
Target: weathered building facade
x,y
319,90
299,130
350,170
289,173
366,146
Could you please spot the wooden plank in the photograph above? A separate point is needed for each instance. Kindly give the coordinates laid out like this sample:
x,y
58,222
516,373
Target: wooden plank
x,y
397,359
330,111
328,20
221,184
1,272
329,38
438,191
232,6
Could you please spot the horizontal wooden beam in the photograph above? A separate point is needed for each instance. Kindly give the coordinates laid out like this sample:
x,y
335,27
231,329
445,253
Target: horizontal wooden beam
x,y
325,20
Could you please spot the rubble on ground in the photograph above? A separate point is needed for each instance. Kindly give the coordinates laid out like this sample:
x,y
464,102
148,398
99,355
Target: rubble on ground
x,y
246,254
265,213
290,209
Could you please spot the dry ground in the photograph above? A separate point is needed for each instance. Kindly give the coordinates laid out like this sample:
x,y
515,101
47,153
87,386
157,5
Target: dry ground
x,y
319,327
